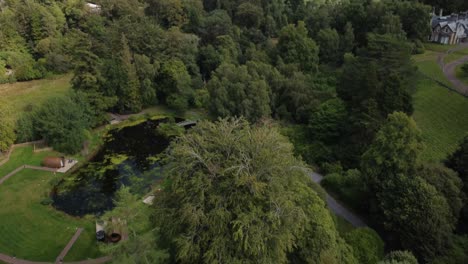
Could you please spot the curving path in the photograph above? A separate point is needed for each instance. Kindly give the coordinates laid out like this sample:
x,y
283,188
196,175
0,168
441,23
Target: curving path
x,y
449,69
336,207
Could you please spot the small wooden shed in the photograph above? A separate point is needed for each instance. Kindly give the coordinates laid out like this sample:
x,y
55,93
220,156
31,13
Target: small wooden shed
x,y
54,162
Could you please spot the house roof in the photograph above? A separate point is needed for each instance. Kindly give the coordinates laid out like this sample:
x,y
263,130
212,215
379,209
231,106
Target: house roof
x,y
453,22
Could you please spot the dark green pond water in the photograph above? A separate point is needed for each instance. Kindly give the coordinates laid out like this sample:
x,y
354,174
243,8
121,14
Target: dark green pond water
x,y
129,157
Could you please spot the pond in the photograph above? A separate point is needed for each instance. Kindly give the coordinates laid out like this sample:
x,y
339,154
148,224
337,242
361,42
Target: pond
x,y
129,156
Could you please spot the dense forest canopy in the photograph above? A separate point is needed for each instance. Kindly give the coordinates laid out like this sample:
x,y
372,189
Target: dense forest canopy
x,y
339,72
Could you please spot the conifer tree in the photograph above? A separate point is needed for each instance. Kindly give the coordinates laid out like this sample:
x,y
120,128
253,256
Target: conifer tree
x,y
130,98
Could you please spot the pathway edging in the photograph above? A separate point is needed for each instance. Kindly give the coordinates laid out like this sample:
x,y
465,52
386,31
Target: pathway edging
x,y
67,248
8,153
22,167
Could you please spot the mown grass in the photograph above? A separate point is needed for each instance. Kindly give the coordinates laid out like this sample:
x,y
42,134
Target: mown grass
x,y
86,246
24,156
29,229
22,96
453,56
432,69
438,47
428,55
441,114
34,231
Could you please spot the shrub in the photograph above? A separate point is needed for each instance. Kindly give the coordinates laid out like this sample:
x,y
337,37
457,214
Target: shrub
x,y
368,247
418,47
62,123
47,201
329,168
23,65
25,129
348,186
400,257
465,69
169,130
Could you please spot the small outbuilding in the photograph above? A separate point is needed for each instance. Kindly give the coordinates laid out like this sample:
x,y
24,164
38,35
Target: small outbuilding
x,y
93,8
54,162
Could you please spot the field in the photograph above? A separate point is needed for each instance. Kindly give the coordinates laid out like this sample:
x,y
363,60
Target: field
x,y
23,95
442,115
29,229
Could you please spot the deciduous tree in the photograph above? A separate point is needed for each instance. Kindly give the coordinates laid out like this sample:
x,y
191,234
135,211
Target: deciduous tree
x,y
294,46
410,209
235,193
7,126
236,92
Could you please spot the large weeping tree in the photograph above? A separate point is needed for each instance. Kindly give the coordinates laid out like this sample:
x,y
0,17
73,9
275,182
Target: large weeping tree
x,y
236,194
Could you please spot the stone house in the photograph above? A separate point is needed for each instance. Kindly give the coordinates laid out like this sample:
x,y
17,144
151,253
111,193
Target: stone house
x,y
452,29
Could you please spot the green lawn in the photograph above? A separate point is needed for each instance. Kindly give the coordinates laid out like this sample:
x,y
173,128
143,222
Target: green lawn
x,y
433,49
22,156
456,55
24,95
34,231
438,47
428,55
442,115
432,69
29,229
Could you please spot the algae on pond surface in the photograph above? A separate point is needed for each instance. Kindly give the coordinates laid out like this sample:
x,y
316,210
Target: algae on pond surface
x,y
129,156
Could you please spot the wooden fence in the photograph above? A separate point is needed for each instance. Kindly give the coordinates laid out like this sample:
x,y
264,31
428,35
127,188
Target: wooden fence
x,y
8,153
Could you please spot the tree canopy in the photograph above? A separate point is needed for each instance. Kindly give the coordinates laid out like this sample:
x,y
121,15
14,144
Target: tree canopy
x,y
413,212
222,178
7,127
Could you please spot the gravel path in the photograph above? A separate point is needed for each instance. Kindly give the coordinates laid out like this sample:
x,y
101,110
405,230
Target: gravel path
x,y
449,69
336,207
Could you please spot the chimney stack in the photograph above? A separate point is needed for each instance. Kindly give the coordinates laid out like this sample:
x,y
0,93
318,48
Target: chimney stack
x,y
441,12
